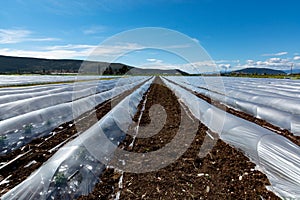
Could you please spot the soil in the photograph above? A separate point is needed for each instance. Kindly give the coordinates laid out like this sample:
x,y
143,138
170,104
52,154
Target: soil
x,y
202,172
41,149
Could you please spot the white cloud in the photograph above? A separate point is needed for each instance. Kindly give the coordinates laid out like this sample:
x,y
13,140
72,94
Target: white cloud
x,y
53,54
94,30
278,63
224,66
153,60
250,62
272,63
275,60
8,36
226,61
41,39
12,36
82,51
276,54
297,58
69,47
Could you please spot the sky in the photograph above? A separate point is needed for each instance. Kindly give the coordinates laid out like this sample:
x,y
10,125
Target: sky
x,y
232,34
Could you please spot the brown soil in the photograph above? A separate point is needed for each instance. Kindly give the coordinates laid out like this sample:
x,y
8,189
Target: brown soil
x,y
41,149
222,173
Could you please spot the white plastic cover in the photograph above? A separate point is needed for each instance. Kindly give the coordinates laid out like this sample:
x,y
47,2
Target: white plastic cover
x,y
280,110
10,80
12,94
74,169
19,107
278,157
23,128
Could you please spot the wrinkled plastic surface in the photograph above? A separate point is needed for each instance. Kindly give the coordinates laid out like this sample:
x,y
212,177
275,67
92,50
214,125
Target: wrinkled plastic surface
x,y
23,128
75,168
276,104
278,157
9,80
34,101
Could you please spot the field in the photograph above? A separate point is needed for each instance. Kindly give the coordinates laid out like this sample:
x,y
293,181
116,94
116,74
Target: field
x,y
143,137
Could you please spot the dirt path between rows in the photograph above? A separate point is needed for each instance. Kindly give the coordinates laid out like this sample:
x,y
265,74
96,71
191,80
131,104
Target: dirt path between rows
x,y
40,150
221,172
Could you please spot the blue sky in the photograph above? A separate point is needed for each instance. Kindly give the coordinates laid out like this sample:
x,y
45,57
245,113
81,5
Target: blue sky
x,y
235,33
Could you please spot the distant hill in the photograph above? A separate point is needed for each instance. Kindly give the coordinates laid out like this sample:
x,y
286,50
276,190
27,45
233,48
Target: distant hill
x,y
295,71
21,65
10,64
259,71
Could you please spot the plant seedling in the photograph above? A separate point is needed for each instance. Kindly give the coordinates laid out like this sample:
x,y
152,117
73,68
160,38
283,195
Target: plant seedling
x,y
48,122
60,179
28,129
2,139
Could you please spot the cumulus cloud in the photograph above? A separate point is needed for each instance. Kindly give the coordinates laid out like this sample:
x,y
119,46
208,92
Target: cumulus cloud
x,y
250,62
297,58
276,54
275,60
12,36
224,66
273,63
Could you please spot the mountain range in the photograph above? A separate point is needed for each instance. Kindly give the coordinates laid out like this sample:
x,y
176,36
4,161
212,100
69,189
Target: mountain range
x,y
259,71
22,65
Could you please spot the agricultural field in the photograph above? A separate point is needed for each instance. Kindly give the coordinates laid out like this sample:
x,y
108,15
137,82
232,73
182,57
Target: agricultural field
x,y
149,137
26,80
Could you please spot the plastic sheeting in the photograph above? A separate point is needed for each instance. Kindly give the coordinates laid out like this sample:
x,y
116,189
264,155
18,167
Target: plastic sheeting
x,y
9,80
275,155
19,107
7,94
15,94
282,111
74,169
22,129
